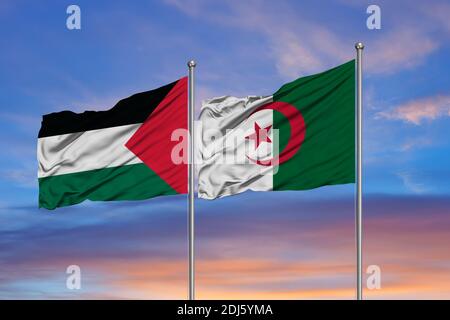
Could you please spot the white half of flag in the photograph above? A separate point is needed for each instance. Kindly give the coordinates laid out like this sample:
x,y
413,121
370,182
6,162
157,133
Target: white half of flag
x,y
232,140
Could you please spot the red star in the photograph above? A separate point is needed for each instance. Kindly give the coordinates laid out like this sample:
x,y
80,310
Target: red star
x,y
260,135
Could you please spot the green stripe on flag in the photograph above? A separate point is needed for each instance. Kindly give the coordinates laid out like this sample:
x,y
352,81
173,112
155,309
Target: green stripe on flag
x,y
327,154
130,182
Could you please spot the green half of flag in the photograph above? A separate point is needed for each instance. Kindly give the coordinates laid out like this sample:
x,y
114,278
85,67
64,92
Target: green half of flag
x,y
326,154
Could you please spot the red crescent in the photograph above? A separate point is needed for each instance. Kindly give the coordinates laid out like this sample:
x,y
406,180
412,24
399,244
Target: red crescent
x,y
297,124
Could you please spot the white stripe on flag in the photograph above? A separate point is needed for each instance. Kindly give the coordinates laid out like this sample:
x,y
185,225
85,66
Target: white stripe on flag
x,y
83,151
218,176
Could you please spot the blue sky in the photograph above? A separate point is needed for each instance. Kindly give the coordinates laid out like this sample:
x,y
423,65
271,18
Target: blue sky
x,y
242,48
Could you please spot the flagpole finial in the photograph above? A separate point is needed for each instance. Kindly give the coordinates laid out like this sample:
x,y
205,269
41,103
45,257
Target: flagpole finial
x,y
191,64
359,46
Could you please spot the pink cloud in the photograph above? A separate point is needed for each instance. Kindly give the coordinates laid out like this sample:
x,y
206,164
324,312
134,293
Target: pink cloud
x,y
411,252
298,45
300,255
415,111
402,48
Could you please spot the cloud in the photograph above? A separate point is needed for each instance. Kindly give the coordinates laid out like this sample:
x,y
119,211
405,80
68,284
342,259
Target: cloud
x,y
25,177
299,45
305,250
415,143
401,48
410,32
411,184
415,111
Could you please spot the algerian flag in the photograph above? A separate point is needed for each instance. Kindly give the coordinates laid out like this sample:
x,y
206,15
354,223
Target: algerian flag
x,y
124,153
301,137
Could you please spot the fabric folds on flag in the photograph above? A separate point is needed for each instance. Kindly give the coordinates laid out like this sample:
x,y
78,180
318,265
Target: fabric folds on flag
x,y
120,154
301,137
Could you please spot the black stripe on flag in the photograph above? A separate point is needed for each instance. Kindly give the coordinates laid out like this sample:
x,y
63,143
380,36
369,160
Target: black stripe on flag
x,y
131,110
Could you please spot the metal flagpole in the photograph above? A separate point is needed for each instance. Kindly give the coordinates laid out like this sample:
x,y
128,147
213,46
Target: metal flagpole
x,y
359,268
191,106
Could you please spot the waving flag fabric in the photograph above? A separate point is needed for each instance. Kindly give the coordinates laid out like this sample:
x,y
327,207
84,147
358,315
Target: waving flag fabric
x,y
120,154
301,137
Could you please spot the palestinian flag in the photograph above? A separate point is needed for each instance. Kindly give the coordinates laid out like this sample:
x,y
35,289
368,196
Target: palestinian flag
x,y
120,154
301,137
